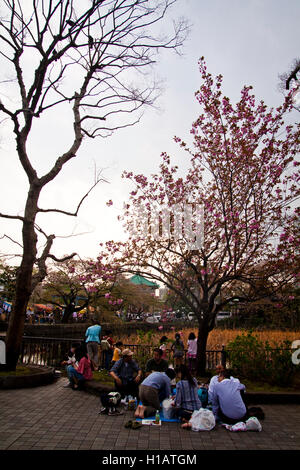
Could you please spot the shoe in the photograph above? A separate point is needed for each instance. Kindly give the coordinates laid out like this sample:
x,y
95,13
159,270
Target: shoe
x,y
67,385
115,413
103,411
136,425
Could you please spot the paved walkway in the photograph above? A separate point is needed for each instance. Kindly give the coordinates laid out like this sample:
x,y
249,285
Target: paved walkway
x,y
53,417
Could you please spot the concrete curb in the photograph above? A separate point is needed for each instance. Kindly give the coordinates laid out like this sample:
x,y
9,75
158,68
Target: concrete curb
x,y
44,376
251,398
272,398
96,388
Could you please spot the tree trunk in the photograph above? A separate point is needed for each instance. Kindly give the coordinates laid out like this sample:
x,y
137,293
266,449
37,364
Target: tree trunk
x,y
23,282
68,311
203,332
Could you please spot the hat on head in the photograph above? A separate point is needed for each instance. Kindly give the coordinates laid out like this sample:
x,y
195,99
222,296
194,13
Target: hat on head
x,y
127,352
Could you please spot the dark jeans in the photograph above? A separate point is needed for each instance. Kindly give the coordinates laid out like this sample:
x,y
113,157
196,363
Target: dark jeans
x,y
108,355
184,414
131,388
227,420
150,399
75,376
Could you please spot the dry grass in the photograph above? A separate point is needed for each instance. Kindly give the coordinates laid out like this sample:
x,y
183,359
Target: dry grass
x,y
216,338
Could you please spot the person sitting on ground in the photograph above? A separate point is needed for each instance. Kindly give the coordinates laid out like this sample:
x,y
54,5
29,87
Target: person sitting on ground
x,y
227,402
214,380
117,352
127,374
70,360
186,400
153,390
157,363
78,374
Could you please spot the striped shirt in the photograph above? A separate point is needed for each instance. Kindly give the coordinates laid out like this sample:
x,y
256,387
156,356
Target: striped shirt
x,y
187,396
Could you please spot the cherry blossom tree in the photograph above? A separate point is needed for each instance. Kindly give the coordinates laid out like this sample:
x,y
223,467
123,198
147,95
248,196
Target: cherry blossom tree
x,y
244,176
72,286
86,60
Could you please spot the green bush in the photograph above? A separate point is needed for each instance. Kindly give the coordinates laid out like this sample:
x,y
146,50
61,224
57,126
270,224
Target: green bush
x,y
246,356
252,359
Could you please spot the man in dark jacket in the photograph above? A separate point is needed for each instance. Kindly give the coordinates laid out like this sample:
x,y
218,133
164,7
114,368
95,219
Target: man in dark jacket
x,y
127,374
157,364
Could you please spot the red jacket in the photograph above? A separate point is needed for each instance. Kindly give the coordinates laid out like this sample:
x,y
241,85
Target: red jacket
x,y
84,368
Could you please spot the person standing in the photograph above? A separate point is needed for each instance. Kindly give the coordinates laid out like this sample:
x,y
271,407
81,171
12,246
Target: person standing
x,y
117,352
163,347
178,351
192,352
92,335
109,350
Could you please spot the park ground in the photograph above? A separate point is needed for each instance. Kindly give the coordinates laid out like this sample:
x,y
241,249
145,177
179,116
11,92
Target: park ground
x,y
56,418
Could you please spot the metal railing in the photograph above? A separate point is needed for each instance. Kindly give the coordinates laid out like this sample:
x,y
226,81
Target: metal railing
x,y
51,351
44,351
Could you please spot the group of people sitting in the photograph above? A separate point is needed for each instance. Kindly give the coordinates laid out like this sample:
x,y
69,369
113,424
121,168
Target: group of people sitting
x,y
225,393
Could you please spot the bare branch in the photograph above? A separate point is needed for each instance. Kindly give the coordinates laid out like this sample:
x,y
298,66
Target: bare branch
x,y
74,214
14,241
16,217
61,260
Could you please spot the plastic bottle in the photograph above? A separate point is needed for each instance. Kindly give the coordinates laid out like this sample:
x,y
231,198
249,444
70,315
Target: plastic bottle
x,y
157,417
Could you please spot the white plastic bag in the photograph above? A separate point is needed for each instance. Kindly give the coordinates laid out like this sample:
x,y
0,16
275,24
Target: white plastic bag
x,y
202,420
252,424
168,409
240,426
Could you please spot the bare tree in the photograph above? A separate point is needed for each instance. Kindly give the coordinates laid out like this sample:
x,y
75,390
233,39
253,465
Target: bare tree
x,y
88,56
289,82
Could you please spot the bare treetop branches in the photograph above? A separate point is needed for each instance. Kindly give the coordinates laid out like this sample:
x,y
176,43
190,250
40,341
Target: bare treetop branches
x,y
77,67
83,52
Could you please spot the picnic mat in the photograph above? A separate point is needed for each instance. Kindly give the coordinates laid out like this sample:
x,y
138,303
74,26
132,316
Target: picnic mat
x,y
162,418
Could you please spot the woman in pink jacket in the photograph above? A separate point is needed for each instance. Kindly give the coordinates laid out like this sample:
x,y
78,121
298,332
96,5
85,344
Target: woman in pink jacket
x,y
78,374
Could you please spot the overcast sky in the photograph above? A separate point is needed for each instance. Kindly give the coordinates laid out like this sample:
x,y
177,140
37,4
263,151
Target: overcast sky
x,y
249,42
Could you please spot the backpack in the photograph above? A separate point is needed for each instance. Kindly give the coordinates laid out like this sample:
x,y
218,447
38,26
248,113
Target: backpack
x,y
105,346
257,412
203,396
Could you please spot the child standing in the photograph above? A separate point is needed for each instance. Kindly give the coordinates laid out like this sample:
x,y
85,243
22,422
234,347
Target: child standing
x,y
163,346
117,352
178,351
192,351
